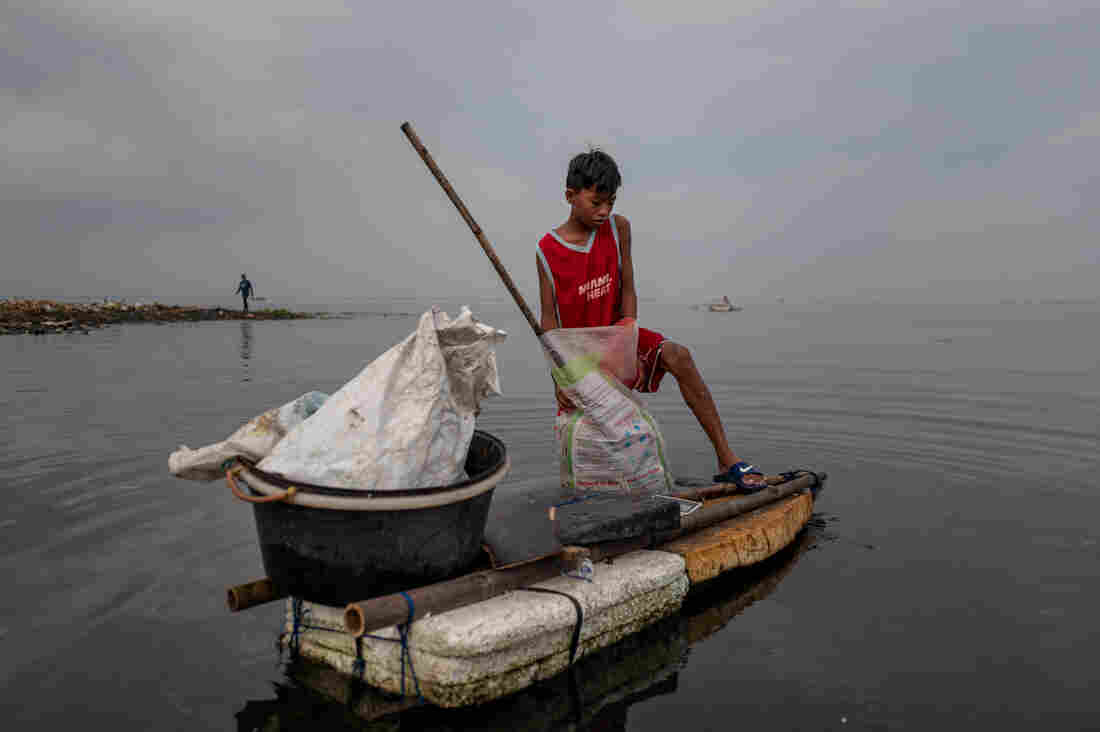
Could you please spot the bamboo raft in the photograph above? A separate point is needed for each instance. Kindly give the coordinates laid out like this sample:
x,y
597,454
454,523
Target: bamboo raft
x,y
468,651
596,688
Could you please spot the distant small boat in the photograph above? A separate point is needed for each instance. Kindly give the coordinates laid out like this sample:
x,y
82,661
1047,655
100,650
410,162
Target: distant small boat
x,y
725,306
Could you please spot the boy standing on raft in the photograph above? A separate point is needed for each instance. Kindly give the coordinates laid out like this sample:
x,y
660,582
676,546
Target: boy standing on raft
x,y
586,280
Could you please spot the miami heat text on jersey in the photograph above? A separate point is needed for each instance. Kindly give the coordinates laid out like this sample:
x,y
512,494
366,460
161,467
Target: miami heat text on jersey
x,y
586,278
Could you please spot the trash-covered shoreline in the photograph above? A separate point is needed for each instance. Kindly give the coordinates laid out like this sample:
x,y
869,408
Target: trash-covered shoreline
x,y
39,317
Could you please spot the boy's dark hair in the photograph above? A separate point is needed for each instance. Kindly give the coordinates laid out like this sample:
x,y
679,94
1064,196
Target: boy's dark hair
x,y
593,169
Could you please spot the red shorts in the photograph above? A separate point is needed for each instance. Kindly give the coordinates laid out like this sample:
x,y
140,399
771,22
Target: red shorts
x,y
650,370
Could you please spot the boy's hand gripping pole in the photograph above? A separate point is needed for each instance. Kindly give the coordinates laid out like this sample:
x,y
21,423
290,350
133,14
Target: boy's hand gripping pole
x,y
465,213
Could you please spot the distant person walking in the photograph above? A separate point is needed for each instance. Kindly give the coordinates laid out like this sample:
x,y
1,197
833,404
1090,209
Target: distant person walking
x,y
245,288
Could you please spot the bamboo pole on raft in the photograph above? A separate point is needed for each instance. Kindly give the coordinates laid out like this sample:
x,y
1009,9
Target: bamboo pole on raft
x,y
480,236
717,490
251,594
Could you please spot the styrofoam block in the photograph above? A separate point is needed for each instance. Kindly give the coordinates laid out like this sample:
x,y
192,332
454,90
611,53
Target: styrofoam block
x,y
491,648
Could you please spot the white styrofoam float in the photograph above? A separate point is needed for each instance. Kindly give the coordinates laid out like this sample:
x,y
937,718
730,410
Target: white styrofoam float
x,y
476,653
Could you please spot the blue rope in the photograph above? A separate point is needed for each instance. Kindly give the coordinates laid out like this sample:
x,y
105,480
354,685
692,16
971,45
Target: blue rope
x,y
360,665
405,653
576,499
298,613
300,622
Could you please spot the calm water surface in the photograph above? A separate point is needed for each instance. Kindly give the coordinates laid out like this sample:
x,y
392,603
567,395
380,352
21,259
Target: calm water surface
x,y
950,577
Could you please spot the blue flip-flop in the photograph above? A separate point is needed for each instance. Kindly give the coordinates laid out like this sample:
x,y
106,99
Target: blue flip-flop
x,y
736,475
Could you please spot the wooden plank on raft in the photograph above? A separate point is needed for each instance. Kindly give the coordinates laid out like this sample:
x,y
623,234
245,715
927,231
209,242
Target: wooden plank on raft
x,y
742,540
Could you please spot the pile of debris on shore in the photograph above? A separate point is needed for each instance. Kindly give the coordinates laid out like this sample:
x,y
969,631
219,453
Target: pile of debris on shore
x,y
39,317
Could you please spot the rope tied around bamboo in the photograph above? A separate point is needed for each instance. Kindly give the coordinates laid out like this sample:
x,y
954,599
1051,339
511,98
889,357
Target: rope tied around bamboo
x,y
300,623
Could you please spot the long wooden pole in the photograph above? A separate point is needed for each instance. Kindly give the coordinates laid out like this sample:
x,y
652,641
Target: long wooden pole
x,y
478,234
380,612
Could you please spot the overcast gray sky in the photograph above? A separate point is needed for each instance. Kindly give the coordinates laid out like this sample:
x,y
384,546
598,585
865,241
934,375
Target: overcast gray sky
x,y
913,151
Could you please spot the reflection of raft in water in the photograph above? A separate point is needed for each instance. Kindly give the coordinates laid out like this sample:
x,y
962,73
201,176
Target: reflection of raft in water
x,y
599,688
480,652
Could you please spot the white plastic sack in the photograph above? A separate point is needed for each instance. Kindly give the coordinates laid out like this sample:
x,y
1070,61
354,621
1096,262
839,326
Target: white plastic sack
x,y
406,421
610,442
253,440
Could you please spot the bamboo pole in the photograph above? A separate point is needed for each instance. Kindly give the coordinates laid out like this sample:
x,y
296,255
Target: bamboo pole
x,y
468,217
380,612
717,490
480,236
721,511
251,594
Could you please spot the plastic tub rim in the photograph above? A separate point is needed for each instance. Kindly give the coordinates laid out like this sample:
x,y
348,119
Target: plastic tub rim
x,y
283,482
347,499
375,502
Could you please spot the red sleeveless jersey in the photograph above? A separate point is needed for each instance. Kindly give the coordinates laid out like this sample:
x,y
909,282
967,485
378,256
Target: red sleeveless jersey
x,y
587,278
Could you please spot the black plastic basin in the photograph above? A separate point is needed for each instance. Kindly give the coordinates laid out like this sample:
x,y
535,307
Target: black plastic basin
x,y
334,546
